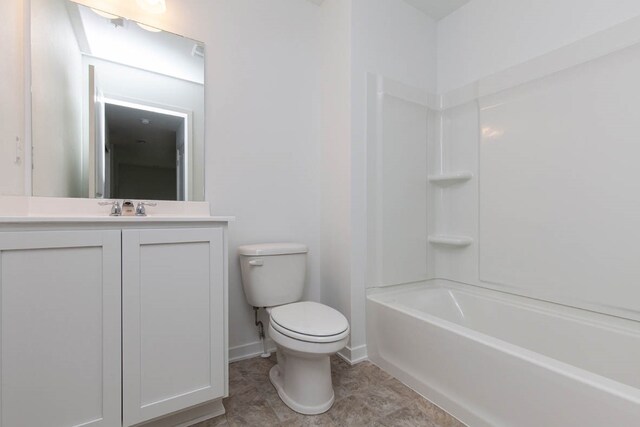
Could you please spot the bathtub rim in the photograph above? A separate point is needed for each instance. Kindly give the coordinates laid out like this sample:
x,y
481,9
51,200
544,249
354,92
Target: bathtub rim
x,y
594,318
605,384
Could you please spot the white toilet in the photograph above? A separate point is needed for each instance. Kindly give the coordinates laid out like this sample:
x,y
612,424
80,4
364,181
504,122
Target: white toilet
x,y
306,333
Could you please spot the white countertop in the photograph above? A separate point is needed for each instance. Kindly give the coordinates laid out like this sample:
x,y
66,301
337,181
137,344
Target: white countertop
x,y
112,219
33,210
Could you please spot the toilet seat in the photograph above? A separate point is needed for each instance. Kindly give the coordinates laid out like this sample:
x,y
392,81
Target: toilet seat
x,y
309,321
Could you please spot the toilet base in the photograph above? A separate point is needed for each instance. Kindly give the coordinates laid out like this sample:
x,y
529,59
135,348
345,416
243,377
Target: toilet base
x,y
278,381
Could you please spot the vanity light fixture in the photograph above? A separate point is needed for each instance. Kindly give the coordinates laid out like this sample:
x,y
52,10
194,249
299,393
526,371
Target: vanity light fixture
x,y
198,50
104,14
149,28
153,6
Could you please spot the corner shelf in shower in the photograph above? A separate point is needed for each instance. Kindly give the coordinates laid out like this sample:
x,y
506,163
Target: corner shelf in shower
x,y
452,241
450,178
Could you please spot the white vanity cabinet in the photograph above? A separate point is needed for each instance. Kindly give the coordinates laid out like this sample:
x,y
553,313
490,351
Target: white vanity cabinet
x,y
113,323
172,336
60,328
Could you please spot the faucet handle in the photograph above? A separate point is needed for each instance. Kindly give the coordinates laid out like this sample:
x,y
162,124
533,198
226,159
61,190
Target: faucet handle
x,y
140,208
116,210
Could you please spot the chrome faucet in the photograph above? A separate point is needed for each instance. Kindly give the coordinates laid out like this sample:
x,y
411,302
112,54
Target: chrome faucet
x,y
116,209
140,208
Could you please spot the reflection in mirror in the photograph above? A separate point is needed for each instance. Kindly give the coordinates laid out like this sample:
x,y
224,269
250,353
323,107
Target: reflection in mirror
x,y
117,107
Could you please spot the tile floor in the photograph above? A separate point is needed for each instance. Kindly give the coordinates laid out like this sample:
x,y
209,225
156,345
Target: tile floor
x,y
365,396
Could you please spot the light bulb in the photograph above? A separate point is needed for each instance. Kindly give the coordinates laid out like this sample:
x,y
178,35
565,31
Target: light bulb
x,y
153,6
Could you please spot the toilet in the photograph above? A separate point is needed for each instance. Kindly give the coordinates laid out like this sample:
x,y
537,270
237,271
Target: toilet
x,y
306,333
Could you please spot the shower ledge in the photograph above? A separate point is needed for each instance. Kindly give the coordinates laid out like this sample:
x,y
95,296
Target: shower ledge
x,y
450,178
453,241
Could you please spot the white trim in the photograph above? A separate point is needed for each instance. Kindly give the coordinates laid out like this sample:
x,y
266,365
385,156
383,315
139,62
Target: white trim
x,y
189,417
407,93
99,58
354,355
146,106
27,158
249,350
254,349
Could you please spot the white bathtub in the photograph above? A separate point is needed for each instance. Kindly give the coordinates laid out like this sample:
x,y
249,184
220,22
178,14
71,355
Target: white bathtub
x,y
493,359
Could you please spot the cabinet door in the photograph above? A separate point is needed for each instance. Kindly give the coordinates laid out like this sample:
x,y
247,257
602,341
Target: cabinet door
x,y
173,320
61,329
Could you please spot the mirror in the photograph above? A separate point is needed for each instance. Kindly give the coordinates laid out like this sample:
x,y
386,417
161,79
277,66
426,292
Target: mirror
x,y
117,107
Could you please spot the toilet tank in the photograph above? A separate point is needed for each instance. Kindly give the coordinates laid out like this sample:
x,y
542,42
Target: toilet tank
x,y
273,273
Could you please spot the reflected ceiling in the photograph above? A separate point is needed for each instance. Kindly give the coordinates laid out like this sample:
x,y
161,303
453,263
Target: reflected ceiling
x,y
125,42
437,9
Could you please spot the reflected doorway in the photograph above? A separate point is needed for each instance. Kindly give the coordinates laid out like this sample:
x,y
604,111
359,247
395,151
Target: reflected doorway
x,y
145,152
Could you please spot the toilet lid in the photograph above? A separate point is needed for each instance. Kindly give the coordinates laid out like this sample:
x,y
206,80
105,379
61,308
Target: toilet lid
x,y
309,320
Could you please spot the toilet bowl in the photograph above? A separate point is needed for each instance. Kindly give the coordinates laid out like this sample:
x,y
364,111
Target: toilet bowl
x,y
306,333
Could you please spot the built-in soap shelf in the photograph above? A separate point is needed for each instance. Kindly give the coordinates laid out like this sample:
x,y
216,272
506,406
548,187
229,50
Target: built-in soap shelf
x,y
443,180
452,241
450,178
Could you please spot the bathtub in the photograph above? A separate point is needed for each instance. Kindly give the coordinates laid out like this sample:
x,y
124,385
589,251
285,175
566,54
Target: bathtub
x,y
493,359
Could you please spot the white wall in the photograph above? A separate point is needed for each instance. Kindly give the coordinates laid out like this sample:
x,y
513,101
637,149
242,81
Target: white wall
x,y
262,131
57,107
286,126
287,159
11,97
262,146
335,138
392,39
486,36
278,150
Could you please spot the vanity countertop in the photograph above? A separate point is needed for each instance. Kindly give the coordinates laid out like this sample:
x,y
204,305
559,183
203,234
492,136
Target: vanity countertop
x,y
42,210
112,219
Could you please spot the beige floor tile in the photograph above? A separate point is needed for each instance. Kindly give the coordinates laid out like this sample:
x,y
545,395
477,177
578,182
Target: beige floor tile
x,y
322,420
282,411
439,416
242,398
374,374
402,389
352,412
381,399
409,416
257,413
365,396
220,421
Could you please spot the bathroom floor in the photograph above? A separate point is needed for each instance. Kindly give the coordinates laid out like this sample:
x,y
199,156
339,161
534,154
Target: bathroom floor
x,y
365,396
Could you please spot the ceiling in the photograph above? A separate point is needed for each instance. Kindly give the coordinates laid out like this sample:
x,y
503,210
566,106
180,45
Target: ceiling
x,y
129,121
135,143
437,9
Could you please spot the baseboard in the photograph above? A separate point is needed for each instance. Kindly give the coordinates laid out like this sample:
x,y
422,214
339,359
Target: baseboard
x,y
249,351
354,355
254,349
189,417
